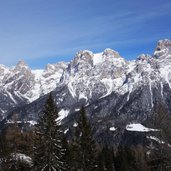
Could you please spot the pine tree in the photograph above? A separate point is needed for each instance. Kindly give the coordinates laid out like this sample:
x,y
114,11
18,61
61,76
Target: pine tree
x,y
12,144
83,145
106,160
125,159
140,154
4,154
48,149
13,140
66,156
160,157
75,152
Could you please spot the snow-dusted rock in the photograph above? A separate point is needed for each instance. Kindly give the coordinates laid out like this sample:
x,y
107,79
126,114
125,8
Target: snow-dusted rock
x,y
21,85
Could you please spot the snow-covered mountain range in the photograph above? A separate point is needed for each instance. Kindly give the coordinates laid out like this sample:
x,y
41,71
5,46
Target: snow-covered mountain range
x,y
107,84
21,85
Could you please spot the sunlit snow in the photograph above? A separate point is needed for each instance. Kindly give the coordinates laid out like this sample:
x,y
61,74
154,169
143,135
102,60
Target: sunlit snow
x,y
97,58
75,124
112,129
63,114
139,128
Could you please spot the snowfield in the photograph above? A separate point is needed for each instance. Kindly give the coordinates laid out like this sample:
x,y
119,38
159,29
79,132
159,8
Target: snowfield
x,y
139,128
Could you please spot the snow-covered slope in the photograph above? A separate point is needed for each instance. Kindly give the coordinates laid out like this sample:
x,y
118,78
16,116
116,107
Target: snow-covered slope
x,y
92,76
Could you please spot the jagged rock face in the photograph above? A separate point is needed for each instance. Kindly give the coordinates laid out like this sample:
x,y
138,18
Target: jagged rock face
x,y
50,77
20,80
20,85
163,49
82,57
112,89
90,76
109,54
163,44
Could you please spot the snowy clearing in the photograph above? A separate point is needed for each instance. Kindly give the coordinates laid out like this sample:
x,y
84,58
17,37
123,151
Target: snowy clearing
x,y
112,128
139,128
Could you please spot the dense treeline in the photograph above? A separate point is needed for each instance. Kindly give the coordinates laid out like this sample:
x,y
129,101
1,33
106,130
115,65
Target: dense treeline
x,y
47,149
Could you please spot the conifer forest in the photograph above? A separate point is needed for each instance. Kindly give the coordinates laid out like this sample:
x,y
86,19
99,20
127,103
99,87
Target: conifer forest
x,y
47,147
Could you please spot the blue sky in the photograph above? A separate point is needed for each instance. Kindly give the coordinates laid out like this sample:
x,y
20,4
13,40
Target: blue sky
x,y
47,31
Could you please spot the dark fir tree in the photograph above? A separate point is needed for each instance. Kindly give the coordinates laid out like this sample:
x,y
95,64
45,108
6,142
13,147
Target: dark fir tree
x,y
125,159
66,156
4,154
75,151
12,144
48,149
106,160
160,157
83,145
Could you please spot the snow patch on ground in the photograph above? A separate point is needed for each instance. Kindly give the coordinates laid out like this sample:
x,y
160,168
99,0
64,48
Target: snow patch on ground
x,y
32,122
23,157
75,124
82,96
19,122
139,128
66,131
12,122
63,114
158,140
112,128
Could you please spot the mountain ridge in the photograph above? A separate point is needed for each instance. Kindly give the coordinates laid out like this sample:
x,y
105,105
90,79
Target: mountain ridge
x,y
90,78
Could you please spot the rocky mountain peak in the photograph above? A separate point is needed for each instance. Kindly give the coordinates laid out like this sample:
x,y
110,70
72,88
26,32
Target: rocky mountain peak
x,y
90,77
163,44
55,67
21,65
163,48
143,57
49,67
3,68
110,53
62,64
83,56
